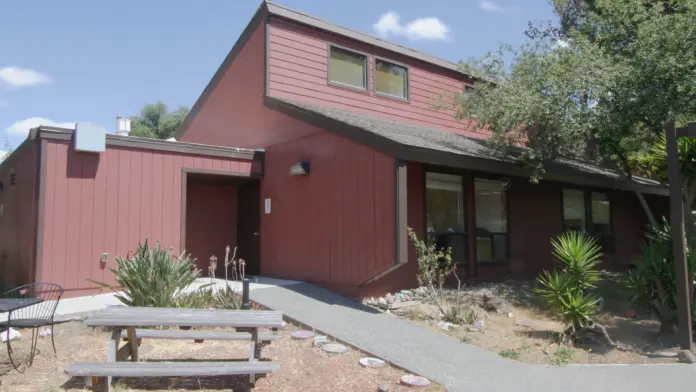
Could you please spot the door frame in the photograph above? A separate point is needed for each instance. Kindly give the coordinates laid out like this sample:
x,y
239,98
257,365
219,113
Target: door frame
x,y
185,171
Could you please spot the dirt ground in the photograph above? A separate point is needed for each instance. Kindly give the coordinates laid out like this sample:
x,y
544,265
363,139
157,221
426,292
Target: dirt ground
x,y
532,334
303,367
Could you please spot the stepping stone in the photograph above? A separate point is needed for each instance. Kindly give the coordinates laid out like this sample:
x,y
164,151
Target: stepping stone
x,y
335,348
302,335
415,381
372,362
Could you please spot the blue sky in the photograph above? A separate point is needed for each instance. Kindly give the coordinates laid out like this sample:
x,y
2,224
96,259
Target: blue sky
x,y
87,61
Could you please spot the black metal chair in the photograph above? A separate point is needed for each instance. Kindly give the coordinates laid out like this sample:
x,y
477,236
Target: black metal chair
x,y
34,316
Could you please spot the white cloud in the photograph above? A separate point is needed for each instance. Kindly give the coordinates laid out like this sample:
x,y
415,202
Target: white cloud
x,y
491,6
561,44
429,28
21,128
21,77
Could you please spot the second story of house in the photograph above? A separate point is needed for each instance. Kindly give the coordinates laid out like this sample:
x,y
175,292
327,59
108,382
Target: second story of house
x,y
288,55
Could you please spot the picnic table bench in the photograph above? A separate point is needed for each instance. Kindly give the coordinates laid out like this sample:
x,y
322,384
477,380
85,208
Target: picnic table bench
x,y
131,322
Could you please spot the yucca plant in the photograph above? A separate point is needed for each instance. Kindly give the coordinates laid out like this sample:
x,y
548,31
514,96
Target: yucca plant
x,y
153,277
569,289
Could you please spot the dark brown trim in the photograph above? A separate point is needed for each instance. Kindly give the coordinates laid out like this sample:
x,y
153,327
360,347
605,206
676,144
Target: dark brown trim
x,y
41,209
407,99
184,194
382,274
185,171
64,134
260,16
555,172
366,73
218,172
688,131
266,56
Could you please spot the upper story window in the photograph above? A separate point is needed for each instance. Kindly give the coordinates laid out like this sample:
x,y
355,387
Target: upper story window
x,y
589,212
391,79
347,68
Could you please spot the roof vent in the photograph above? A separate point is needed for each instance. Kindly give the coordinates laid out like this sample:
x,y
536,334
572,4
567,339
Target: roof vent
x,y
122,126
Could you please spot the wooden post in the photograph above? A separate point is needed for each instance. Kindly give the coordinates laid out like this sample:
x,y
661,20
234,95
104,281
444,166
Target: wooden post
x,y
133,344
245,295
677,220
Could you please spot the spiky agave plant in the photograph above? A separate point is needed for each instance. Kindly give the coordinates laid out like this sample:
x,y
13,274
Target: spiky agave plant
x,y
153,277
568,290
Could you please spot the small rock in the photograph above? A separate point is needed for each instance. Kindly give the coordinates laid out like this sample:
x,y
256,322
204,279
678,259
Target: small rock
x,y
510,315
480,325
446,326
525,323
383,388
320,340
686,356
45,332
389,298
473,329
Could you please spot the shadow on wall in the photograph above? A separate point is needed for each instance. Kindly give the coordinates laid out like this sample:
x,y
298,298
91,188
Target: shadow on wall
x,y
82,164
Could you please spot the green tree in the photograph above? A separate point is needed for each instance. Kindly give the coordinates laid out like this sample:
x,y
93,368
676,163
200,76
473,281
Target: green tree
x,y
155,121
600,87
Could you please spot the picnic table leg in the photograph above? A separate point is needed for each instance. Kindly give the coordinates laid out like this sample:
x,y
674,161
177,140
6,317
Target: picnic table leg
x,y
133,344
253,352
111,354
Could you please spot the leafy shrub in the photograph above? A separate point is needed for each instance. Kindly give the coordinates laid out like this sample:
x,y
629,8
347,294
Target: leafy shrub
x,y
466,339
562,356
434,267
652,284
202,298
153,277
568,290
511,354
227,298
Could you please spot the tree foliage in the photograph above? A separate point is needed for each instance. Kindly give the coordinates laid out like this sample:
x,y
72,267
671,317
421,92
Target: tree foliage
x,y
600,87
156,121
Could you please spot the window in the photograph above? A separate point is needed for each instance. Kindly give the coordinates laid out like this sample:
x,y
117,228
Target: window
x,y
580,205
391,79
347,69
444,213
574,210
490,200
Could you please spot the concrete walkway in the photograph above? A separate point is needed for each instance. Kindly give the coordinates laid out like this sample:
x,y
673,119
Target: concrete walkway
x,y
457,366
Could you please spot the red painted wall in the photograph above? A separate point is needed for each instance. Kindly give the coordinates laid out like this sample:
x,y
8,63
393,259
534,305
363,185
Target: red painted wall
x,y
18,223
298,70
334,226
211,222
234,114
110,202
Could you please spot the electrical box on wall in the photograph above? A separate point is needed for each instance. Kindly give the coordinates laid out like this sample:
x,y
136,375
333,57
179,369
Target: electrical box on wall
x,y
89,138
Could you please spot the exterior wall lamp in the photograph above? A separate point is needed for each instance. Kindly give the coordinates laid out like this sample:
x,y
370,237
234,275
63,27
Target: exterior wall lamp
x,y
300,168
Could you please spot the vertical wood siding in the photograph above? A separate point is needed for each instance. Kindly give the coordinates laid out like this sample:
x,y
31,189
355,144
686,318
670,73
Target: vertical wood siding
x,y
298,70
234,114
110,202
334,226
18,223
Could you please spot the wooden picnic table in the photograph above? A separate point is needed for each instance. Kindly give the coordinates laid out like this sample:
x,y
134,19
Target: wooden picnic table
x,y
128,322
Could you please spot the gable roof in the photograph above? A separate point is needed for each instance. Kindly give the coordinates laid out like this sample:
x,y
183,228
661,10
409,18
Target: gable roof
x,y
267,8
284,12
427,145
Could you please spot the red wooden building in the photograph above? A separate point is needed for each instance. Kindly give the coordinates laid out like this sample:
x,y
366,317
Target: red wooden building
x,y
313,148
